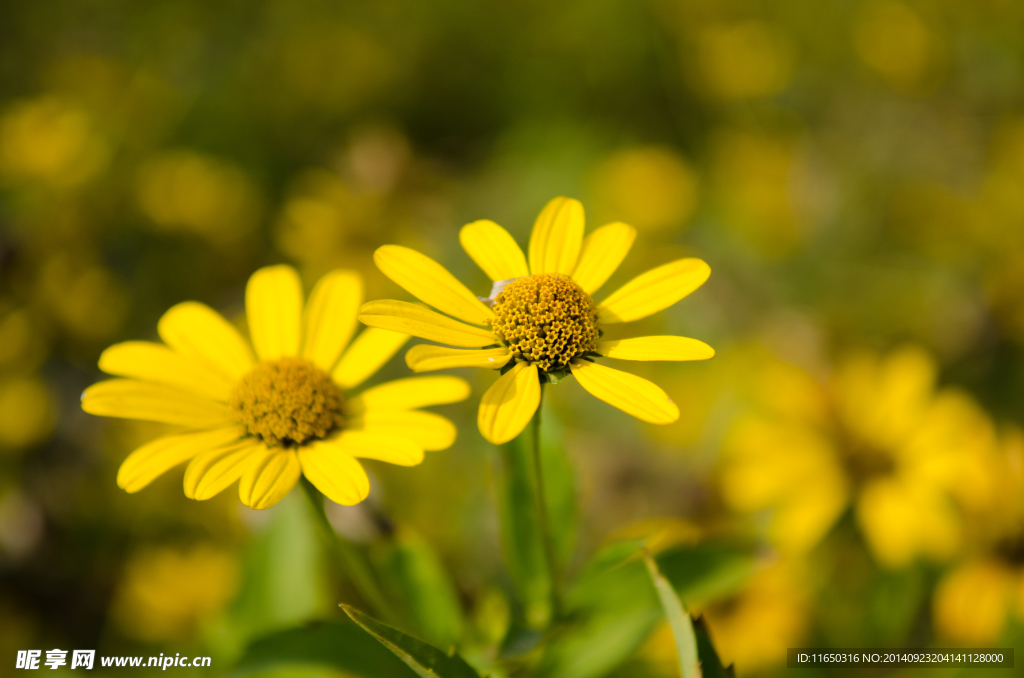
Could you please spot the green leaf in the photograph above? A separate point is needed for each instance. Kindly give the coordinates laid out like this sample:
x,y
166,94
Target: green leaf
x,y
707,570
343,646
678,620
425,660
418,578
710,664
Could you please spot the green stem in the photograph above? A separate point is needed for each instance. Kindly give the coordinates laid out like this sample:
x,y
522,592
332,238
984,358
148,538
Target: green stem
x,y
352,562
543,518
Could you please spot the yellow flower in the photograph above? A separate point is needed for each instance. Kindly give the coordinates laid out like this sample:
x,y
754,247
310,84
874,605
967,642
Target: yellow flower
x,y
540,321
909,459
264,417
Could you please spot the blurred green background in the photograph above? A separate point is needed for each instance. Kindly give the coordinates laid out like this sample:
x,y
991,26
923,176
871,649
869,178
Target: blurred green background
x,y
853,172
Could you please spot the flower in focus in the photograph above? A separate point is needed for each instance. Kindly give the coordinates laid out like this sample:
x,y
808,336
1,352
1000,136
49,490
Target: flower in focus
x,y
910,459
541,322
265,416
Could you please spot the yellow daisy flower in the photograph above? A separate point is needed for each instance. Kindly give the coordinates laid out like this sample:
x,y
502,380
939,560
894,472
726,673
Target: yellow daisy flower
x,y
540,321
265,414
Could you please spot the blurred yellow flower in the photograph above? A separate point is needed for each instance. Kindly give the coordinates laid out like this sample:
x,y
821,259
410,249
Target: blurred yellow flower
x,y
50,141
83,296
192,192
892,40
266,418
743,61
882,439
26,412
651,187
540,322
166,594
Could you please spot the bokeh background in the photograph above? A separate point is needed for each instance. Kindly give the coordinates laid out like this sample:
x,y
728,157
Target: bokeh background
x,y
852,171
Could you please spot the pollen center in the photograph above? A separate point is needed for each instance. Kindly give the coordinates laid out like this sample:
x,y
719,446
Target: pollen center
x,y
546,319
287,402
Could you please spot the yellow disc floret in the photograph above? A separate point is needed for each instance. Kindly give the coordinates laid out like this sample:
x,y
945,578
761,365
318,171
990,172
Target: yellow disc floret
x,y
287,402
546,319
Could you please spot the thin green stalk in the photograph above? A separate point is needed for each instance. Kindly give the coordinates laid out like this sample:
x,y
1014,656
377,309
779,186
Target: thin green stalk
x,y
349,558
543,518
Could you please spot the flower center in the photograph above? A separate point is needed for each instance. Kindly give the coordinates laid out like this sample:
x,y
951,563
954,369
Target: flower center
x,y
546,320
287,402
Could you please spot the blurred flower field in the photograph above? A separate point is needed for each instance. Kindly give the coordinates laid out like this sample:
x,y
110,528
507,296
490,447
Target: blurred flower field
x,y
851,461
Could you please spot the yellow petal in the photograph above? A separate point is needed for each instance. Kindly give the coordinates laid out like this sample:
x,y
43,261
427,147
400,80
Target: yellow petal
x,y
389,447
410,393
426,358
211,472
493,250
603,251
334,472
428,430
509,404
401,316
273,307
368,353
653,291
146,463
268,478
150,361
632,394
656,348
132,399
557,236
431,283
197,331
331,317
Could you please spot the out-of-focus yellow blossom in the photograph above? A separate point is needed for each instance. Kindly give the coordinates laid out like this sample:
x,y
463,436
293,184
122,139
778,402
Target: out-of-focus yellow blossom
x,y
50,141
746,60
184,190
755,177
265,417
324,222
974,600
907,457
18,337
650,187
83,296
753,629
166,594
26,412
893,40
540,322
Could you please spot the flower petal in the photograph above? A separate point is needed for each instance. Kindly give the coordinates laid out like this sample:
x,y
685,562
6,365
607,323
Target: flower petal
x,y
133,399
197,331
603,251
273,307
394,449
493,250
509,404
401,316
334,472
632,394
410,393
271,475
428,430
150,361
330,317
146,463
557,236
653,291
431,283
368,353
211,472
426,357
656,348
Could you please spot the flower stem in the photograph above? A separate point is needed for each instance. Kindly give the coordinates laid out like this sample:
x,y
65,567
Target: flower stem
x,y
352,562
543,518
